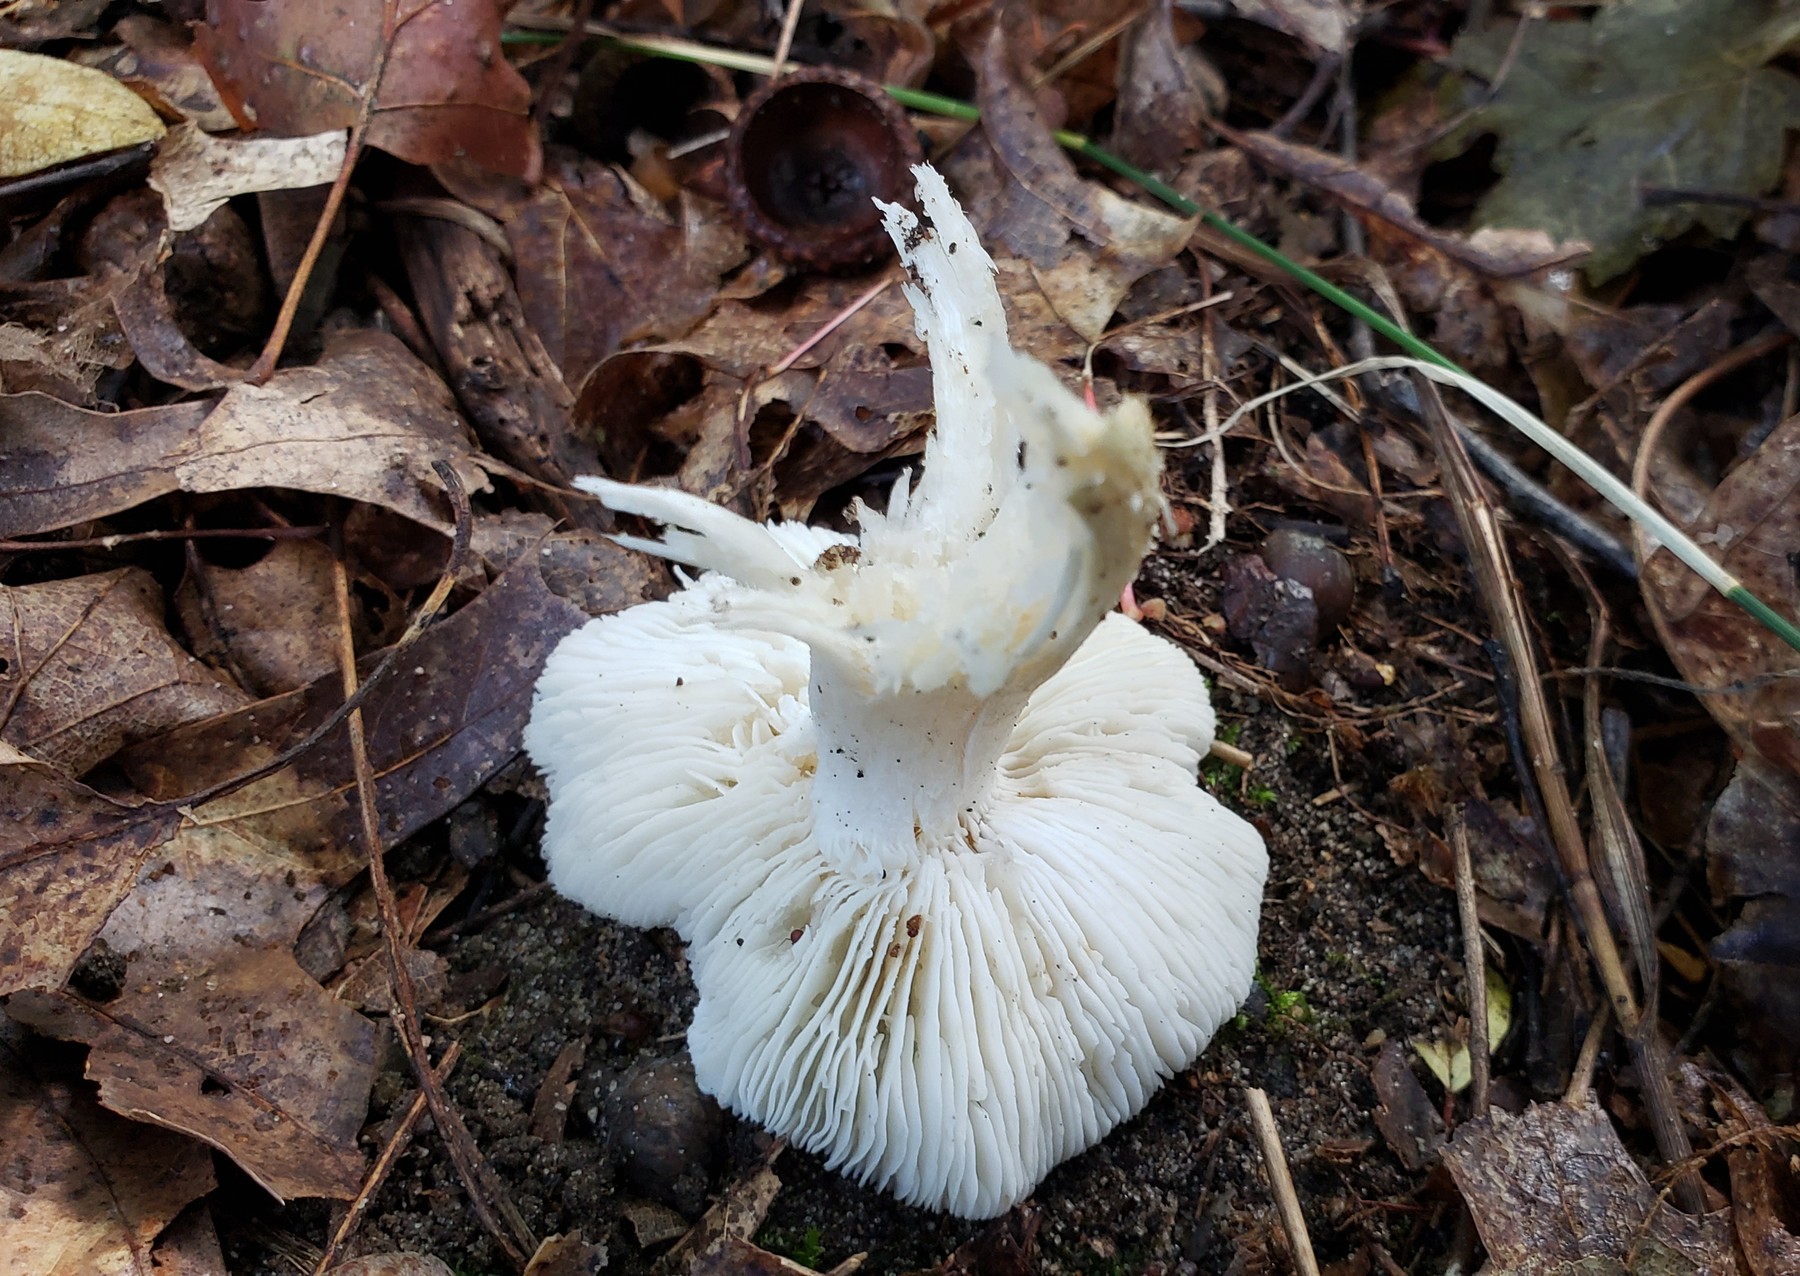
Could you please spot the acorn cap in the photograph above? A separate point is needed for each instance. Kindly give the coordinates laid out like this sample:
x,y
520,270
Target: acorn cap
x,y
809,155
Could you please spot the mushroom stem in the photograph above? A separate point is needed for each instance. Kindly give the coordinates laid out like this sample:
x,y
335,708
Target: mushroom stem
x,y
902,771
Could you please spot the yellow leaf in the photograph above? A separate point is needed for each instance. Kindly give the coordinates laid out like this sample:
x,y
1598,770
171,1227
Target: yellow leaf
x,y
1448,1059
53,111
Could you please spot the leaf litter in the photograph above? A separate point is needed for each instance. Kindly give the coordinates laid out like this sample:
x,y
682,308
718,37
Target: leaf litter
x,y
190,944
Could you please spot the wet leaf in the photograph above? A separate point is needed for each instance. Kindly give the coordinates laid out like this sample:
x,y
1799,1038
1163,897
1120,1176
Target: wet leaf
x,y
89,667
1671,93
1404,1113
81,1190
1751,524
67,858
446,90
1554,1193
55,111
365,423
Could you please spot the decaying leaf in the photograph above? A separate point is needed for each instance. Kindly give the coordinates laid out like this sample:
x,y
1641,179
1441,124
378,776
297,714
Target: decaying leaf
x,y
1752,842
195,173
1751,523
67,857
81,1190
365,423
1492,253
393,1264
158,61
1554,1193
1672,93
1086,245
55,111
598,263
446,90
89,666
213,1029
1404,1113
1166,94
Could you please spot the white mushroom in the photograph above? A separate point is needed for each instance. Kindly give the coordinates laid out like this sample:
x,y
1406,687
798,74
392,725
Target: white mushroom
x,y
925,814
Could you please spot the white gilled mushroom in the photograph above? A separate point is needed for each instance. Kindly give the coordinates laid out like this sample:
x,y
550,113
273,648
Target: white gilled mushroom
x,y
926,815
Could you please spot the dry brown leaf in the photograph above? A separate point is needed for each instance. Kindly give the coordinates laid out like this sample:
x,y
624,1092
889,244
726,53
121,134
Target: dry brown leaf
x,y
215,1029
861,393
1553,1192
586,568
55,111
89,667
736,1216
67,857
446,89
84,1191
190,1247
1166,94
273,622
364,423
1750,524
195,174
567,1255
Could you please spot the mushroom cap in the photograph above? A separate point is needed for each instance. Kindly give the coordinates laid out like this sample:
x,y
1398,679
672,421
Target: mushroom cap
x,y
951,1032
926,815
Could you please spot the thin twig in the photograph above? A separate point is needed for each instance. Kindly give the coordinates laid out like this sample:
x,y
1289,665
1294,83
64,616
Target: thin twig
x,y
167,534
264,367
1281,1183
790,22
1678,398
1474,965
397,1142
486,1193
1582,1079
459,548
1542,775
558,66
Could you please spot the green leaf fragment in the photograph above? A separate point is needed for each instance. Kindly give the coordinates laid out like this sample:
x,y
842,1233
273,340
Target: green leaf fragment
x,y
1662,93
